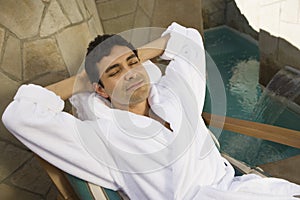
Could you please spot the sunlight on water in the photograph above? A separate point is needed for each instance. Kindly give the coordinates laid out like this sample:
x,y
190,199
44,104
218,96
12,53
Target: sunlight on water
x,y
244,83
279,93
238,62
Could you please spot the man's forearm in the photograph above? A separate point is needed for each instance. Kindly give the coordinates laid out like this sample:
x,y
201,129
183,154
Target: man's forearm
x,y
64,88
153,49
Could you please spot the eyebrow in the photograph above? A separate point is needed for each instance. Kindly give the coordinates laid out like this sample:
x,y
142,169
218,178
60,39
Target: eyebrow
x,y
117,65
111,67
131,56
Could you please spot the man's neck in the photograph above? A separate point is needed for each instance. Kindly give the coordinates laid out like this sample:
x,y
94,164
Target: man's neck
x,y
144,109
141,108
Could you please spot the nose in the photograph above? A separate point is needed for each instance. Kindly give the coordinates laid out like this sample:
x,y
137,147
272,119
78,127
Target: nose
x,y
130,74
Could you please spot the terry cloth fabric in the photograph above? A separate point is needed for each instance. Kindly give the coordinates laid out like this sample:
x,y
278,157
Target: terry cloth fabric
x,y
138,155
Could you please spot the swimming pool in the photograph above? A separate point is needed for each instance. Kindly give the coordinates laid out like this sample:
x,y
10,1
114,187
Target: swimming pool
x,y
237,58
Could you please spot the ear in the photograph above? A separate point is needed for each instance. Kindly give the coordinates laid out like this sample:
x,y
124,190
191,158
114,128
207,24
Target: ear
x,y
100,90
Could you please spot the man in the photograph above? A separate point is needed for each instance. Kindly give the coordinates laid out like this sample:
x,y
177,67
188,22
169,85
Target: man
x,y
150,142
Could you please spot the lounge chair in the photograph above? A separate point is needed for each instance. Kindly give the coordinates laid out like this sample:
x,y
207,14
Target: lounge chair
x,y
70,187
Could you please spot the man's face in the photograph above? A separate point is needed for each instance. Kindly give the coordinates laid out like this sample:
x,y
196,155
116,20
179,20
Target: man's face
x,y
124,78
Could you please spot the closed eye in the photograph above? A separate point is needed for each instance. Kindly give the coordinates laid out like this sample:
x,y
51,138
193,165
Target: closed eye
x,y
133,63
114,72
132,60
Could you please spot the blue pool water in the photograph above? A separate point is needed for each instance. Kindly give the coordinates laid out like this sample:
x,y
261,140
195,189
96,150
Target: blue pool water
x,y
237,59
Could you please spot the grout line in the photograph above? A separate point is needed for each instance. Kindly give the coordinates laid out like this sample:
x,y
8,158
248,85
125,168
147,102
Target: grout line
x,y
6,179
7,182
24,190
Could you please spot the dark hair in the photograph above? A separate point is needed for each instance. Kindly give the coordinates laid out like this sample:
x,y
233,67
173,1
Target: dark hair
x,y
101,46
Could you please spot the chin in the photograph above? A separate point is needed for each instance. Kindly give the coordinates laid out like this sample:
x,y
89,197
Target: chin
x,y
140,95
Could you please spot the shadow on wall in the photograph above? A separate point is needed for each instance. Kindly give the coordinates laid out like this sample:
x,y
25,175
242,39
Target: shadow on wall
x,y
276,53
235,19
225,12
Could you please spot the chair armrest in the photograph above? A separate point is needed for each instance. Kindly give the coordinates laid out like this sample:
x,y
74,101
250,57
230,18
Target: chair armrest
x,y
254,129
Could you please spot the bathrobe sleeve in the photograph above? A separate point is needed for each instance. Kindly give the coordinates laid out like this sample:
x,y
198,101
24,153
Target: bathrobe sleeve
x,y
187,58
36,118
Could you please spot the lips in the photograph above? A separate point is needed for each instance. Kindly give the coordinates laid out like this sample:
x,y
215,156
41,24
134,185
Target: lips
x,y
135,85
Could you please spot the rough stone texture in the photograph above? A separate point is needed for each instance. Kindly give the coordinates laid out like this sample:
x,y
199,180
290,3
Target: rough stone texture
x,y
51,77
141,19
2,34
54,20
275,53
267,69
268,46
92,9
213,5
99,1
187,13
147,6
72,11
141,36
94,28
52,194
11,158
24,21
32,177
213,13
288,54
8,89
213,19
73,43
83,9
119,24
41,56
94,23
12,58
43,63
107,10
156,33
236,20
116,8
11,193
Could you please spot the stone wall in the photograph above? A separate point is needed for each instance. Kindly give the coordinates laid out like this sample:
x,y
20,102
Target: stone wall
x,y
235,19
279,41
225,12
275,53
41,41
214,12
121,15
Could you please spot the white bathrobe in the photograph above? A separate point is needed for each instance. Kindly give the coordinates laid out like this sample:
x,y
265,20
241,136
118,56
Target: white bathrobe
x,y
124,151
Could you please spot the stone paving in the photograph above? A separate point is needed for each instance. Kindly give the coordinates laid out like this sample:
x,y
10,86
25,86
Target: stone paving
x,y
37,46
22,177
